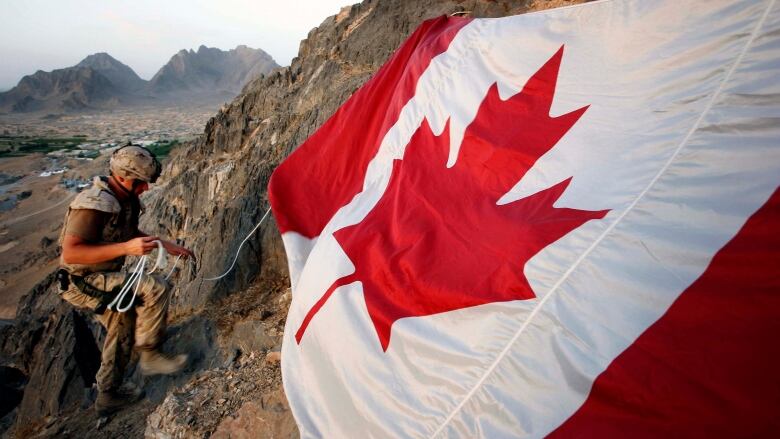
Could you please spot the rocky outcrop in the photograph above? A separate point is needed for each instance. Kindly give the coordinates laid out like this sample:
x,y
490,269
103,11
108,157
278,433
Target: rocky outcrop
x,y
243,399
269,416
52,349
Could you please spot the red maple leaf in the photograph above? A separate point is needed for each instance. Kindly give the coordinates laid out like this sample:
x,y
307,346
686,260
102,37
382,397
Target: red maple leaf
x,y
437,241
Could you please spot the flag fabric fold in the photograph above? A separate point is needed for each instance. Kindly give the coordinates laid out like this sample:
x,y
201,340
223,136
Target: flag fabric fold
x,y
554,223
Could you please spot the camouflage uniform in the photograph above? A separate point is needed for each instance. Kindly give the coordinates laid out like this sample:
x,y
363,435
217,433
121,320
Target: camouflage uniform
x,y
143,325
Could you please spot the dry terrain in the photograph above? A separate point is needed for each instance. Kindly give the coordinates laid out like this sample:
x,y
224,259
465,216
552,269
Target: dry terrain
x,y
165,122
30,226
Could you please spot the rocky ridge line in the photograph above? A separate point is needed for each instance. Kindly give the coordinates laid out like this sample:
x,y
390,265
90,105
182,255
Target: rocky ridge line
x,y
100,82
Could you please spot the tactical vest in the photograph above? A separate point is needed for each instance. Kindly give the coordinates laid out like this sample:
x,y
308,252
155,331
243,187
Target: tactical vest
x,y
121,226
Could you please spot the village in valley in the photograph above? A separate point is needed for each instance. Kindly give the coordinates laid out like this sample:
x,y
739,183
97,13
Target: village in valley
x,y
81,135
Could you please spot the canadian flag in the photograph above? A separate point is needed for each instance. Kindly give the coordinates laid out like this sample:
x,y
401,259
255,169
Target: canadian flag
x,y
560,223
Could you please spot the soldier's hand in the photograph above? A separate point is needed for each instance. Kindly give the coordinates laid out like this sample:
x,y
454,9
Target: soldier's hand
x,y
140,246
177,250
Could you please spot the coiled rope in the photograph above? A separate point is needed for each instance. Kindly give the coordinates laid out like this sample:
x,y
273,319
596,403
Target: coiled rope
x,y
135,279
133,283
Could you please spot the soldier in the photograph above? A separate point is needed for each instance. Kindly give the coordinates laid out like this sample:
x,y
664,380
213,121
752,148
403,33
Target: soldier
x,y
100,229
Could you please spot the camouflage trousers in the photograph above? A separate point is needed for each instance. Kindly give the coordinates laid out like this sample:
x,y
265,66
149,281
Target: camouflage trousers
x,y
142,326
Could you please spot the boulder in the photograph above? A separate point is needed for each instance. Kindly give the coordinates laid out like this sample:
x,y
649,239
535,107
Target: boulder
x,y
269,417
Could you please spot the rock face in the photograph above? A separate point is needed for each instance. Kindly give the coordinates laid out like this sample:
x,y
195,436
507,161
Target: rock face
x,y
211,195
210,71
271,416
244,399
52,351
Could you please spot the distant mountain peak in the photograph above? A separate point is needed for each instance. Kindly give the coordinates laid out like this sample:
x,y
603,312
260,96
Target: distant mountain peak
x,y
69,89
211,70
121,75
99,56
100,81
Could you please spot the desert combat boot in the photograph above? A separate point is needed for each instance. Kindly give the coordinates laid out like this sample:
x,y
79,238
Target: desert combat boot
x,y
112,401
156,363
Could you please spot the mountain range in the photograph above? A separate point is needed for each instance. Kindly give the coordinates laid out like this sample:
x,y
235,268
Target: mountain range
x,y
102,82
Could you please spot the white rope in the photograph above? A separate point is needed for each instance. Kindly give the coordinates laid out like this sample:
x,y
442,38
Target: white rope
x,y
235,258
173,268
133,283
162,258
136,277
239,248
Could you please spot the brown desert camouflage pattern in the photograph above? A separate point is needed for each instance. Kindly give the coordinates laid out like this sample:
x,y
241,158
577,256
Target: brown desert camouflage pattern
x,y
120,227
134,162
143,326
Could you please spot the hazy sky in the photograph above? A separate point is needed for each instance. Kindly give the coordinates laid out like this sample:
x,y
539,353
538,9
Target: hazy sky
x,y
144,34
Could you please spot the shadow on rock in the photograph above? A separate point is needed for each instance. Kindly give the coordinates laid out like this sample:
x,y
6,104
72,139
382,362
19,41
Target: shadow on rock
x,y
195,337
54,347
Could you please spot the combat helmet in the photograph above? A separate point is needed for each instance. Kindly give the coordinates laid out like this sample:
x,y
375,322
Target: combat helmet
x,y
135,161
